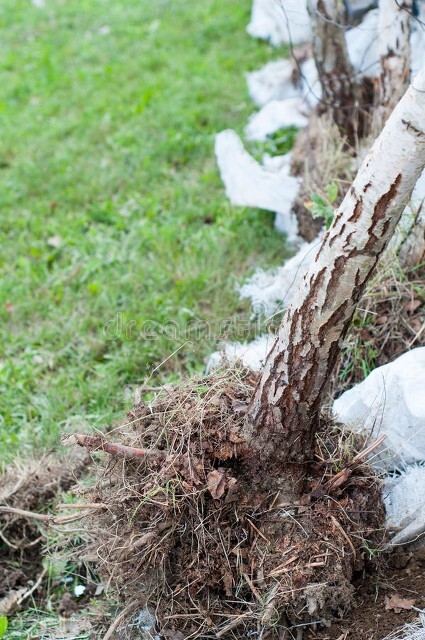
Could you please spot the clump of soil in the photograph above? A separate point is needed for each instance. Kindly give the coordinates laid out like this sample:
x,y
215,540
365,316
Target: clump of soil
x,y
29,487
187,531
375,614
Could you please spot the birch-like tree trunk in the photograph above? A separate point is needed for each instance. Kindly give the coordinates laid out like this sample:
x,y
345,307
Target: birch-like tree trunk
x,y
394,50
284,412
343,95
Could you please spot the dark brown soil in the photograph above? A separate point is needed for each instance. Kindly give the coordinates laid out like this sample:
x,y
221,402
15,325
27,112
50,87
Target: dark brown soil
x,y
403,576
33,487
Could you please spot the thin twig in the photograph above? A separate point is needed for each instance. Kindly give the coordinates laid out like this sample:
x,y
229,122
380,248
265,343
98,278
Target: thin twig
x,y
237,621
97,443
35,586
116,623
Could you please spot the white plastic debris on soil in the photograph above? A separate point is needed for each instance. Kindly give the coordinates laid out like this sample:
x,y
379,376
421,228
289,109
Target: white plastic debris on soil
x,y
411,631
390,401
250,354
248,183
269,292
280,21
404,499
275,115
272,291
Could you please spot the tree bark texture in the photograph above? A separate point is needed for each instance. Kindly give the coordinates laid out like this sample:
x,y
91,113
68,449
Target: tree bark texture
x,y
347,98
394,50
284,412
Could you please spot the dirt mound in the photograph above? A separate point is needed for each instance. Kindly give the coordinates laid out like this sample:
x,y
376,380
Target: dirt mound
x,y
28,487
388,599
189,534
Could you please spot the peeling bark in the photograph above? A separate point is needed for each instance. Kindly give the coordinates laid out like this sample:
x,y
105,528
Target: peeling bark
x,y
347,99
284,412
394,50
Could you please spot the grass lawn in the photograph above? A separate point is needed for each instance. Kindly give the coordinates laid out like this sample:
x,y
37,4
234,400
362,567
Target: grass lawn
x,y
112,210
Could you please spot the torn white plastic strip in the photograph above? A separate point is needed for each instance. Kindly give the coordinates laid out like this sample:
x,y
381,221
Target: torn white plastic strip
x,y
272,291
390,401
275,115
280,21
248,183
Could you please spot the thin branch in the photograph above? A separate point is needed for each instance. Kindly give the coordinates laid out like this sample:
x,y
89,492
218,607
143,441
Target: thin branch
x,y
114,626
97,443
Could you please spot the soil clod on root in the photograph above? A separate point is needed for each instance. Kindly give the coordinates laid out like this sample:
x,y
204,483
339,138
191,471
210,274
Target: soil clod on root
x,y
204,545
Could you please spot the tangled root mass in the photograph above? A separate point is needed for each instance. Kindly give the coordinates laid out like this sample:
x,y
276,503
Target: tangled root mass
x,y
189,533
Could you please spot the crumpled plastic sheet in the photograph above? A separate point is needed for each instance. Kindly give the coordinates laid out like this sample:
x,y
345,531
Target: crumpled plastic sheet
x,y
280,21
283,104
272,82
275,115
251,354
412,631
390,402
250,184
271,291
404,498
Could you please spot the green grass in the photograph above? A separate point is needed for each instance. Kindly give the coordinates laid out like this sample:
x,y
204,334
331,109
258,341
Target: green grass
x,y
111,204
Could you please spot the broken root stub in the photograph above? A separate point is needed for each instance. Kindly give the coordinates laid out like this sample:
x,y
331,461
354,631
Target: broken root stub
x,y
204,542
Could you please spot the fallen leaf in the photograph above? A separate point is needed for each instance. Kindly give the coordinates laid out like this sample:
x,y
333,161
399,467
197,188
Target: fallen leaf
x,y
397,604
216,483
412,305
233,437
11,601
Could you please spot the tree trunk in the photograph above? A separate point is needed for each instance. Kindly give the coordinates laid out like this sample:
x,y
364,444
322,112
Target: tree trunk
x,y
284,412
343,95
394,50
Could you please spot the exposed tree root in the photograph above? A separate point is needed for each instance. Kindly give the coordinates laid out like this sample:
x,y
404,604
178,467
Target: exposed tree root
x,y
201,537
27,491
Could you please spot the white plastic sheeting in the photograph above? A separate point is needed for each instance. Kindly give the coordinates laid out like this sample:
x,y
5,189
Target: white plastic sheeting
x,y
248,183
274,81
390,401
272,291
411,631
275,115
250,354
280,21
362,45
404,498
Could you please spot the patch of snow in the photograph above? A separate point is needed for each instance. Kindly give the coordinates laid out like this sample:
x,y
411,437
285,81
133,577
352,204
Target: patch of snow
x,y
280,21
272,291
275,115
248,183
390,401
